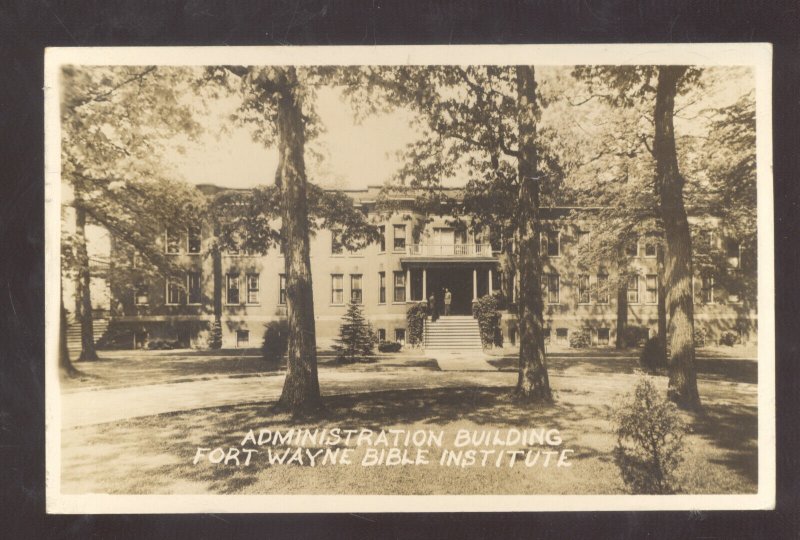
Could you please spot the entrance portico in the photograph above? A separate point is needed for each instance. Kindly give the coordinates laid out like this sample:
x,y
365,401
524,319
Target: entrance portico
x,y
465,281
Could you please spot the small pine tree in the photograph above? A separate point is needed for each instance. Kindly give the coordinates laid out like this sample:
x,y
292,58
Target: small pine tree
x,y
215,340
356,341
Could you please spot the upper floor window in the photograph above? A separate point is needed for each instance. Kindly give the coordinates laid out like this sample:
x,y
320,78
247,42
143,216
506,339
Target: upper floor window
x,y
633,289
174,292
651,289
194,240
172,242
650,249
382,238
282,289
399,237
337,248
399,286
602,288
140,293
707,290
356,295
583,289
550,244
382,296
252,288
337,289
733,252
232,288
550,288
193,287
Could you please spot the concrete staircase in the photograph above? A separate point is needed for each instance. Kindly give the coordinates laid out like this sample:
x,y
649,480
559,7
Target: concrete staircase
x,y
453,332
74,333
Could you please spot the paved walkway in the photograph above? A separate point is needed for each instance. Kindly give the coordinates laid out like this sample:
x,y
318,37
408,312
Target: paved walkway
x,y
461,360
99,406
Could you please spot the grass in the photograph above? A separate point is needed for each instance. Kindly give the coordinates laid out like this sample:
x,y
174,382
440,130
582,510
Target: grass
x,y
154,454
119,369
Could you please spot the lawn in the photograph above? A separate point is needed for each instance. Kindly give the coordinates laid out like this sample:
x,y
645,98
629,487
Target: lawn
x,y
119,369
154,454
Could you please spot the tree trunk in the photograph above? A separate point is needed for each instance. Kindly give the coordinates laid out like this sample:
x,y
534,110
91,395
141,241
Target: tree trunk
x,y
64,362
678,245
83,293
216,269
622,313
533,382
507,269
662,309
301,388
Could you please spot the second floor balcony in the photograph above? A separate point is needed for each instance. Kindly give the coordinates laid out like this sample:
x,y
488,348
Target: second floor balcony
x,y
449,250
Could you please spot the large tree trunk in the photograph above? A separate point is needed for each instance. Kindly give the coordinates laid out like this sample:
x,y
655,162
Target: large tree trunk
x,y
507,269
533,382
622,312
662,308
678,245
301,388
83,293
216,269
64,362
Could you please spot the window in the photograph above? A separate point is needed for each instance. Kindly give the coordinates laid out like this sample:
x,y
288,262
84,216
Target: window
x,y
651,289
550,288
583,289
707,291
633,289
399,237
232,288
602,288
399,286
381,334
140,295
400,335
194,240
174,292
337,289
382,278
546,332
603,336
550,244
650,250
337,248
282,289
193,288
172,242
252,288
732,252
237,243
356,296
242,338
382,232
632,248
562,336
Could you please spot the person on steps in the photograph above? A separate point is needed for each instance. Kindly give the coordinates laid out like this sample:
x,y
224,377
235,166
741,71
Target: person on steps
x,y
448,297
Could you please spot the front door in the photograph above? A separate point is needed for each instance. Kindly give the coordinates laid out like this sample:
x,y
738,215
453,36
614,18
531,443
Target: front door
x,y
459,282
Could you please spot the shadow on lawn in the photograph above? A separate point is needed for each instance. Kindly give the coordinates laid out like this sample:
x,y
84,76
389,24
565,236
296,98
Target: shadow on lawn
x,y
734,429
716,369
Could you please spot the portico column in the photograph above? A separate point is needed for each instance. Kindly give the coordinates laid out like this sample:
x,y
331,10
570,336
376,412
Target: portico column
x,y
408,285
490,282
474,283
424,285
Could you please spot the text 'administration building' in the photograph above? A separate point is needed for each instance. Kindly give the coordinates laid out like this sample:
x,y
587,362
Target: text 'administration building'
x,y
417,256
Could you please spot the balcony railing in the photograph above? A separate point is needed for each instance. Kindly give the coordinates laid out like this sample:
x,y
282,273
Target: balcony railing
x,y
449,250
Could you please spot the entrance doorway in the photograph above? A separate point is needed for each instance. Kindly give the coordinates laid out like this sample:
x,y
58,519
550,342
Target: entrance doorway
x,y
459,282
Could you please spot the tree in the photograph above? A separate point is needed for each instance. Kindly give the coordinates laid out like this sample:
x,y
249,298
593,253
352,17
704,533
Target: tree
x,y
356,339
114,120
628,86
278,102
481,120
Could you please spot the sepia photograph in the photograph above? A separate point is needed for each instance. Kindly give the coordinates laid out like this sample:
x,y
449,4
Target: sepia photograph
x,y
464,278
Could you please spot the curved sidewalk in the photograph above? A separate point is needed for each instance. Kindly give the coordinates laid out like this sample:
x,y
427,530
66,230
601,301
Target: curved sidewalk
x,y
100,406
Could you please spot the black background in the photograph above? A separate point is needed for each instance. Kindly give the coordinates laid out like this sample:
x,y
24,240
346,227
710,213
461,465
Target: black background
x,y
26,27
